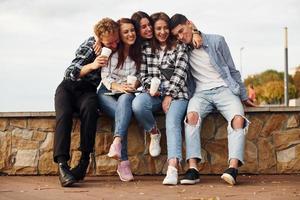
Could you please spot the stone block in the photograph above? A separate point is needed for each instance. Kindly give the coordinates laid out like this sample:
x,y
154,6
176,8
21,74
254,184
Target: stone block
x,y
22,133
204,165
26,162
39,136
47,145
20,143
42,124
208,127
106,165
135,140
254,129
288,160
218,155
274,123
285,139
102,143
250,158
3,124
5,150
221,132
293,121
145,164
266,156
18,122
27,158
46,165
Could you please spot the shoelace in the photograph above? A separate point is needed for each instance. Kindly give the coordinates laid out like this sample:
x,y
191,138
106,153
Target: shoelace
x,y
156,137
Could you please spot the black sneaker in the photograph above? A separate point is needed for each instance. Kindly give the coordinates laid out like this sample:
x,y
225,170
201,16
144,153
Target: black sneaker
x,y
230,175
191,177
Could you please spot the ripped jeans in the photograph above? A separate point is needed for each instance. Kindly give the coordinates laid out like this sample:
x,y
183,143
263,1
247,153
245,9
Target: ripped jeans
x,y
229,105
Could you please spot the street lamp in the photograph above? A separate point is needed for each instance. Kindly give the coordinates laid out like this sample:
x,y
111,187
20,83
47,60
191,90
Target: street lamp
x,y
286,69
241,67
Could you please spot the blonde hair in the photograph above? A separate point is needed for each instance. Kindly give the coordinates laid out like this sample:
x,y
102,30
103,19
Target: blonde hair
x,y
106,26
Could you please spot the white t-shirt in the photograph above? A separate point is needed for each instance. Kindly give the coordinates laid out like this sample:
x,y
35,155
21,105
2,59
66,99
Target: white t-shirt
x,y
205,74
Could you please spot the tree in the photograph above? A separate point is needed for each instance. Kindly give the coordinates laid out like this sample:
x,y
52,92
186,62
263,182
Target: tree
x,y
269,86
297,81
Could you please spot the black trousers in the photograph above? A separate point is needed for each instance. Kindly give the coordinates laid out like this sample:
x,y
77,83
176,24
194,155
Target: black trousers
x,y
75,97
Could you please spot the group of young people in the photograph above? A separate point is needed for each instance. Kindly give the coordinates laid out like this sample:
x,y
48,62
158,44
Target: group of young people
x,y
196,75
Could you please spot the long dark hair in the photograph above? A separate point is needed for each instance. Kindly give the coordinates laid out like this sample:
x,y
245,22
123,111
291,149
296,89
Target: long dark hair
x,y
135,52
154,43
137,17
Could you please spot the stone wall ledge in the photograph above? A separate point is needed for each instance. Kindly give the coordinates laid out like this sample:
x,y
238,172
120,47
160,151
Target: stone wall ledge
x,y
272,144
259,109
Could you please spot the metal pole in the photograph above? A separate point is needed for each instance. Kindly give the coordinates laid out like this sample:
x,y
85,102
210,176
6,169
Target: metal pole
x,y
241,67
286,71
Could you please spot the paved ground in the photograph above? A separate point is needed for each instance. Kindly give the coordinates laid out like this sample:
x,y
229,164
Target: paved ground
x,y
275,187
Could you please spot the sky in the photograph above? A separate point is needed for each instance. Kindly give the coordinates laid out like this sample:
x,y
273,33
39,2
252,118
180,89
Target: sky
x,y
38,38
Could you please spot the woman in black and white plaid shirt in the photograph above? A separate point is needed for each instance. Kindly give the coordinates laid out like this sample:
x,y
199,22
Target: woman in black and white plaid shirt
x,y
163,58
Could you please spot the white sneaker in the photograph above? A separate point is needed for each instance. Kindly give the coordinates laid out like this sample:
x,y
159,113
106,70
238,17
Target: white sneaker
x,y
171,177
154,147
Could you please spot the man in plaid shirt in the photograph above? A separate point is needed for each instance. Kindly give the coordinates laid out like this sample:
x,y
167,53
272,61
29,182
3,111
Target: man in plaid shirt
x,y
77,93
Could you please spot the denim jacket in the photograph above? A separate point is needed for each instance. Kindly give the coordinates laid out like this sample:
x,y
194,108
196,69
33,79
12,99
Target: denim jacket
x,y
220,57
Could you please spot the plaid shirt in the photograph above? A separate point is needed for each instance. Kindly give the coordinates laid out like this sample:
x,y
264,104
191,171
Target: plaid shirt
x,y
175,61
84,55
111,74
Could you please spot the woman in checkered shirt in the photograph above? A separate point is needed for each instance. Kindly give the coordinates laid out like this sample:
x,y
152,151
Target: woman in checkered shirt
x,y
163,58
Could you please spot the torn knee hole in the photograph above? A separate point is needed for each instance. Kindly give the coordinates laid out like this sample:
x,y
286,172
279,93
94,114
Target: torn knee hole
x,y
238,122
192,118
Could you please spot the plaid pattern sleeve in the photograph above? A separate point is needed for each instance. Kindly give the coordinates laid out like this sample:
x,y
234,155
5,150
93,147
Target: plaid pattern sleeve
x,y
144,76
83,56
177,84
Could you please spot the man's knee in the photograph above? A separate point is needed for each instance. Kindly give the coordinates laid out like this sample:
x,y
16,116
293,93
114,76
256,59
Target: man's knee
x,y
238,122
192,118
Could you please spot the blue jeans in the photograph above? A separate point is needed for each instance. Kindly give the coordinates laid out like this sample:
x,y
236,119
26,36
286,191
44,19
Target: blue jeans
x,y
229,105
143,107
119,108
174,121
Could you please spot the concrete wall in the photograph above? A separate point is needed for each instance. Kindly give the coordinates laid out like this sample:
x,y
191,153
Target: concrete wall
x,y
272,145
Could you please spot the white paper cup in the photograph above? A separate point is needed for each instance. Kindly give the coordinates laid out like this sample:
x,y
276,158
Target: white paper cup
x,y
105,52
155,82
131,79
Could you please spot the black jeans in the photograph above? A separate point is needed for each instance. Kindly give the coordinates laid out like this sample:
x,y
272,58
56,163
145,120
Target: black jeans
x,y
75,97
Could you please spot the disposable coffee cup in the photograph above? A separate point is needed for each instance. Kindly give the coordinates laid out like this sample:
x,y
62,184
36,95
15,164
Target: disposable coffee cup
x,y
105,52
155,82
131,79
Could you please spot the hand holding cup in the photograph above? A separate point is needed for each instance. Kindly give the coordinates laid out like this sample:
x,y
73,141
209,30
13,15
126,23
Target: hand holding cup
x,y
155,82
105,52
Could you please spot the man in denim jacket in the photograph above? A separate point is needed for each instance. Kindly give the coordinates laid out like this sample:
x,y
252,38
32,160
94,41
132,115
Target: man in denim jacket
x,y
218,85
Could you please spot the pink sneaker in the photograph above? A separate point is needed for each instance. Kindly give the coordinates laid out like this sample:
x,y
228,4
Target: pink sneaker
x,y
115,151
124,171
